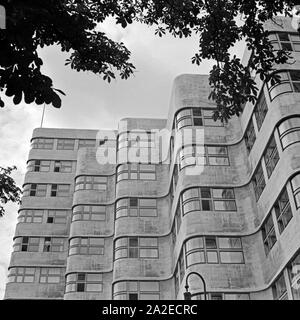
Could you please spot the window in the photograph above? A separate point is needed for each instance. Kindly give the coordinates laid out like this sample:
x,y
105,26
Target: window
x,y
285,41
136,290
38,166
208,199
178,219
213,250
57,216
21,275
98,183
279,289
27,244
93,213
222,296
289,131
52,244
258,182
268,234
271,156
179,271
294,274
283,210
289,82
260,110
63,166
203,155
42,143
136,207
136,140
250,136
84,282
35,190
135,247
65,144
196,117
51,275
296,189
135,171
87,143
84,245
31,216
176,280
60,190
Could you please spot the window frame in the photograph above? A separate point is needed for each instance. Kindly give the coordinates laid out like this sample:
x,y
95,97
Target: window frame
x,y
288,131
82,212
126,207
127,289
127,170
65,144
85,249
217,249
206,155
82,181
81,278
271,158
136,249
268,233
42,143
210,199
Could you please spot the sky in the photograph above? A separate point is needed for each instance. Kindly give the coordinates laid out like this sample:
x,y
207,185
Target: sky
x,y
91,103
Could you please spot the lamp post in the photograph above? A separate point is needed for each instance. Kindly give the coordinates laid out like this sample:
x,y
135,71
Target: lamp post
x,y
187,295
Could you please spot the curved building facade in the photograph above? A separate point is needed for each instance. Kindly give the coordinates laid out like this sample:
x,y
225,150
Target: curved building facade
x,y
128,214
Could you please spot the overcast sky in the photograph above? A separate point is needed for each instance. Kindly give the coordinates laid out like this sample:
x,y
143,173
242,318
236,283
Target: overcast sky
x,y
92,103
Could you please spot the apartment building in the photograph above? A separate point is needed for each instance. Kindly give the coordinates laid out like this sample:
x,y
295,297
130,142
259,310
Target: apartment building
x,y
127,214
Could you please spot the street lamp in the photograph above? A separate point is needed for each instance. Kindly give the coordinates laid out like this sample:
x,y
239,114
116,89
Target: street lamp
x,y
187,295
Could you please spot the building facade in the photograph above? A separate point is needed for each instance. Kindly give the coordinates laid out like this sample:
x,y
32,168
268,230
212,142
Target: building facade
x,y
127,214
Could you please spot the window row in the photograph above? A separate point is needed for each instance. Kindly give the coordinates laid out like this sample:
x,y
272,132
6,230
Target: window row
x,y
289,131
289,278
136,247
289,82
196,117
69,144
86,245
222,296
200,250
136,207
43,216
98,183
282,214
136,171
137,140
44,190
203,155
270,158
136,290
86,213
84,282
32,274
285,41
39,244
208,199
62,166
259,114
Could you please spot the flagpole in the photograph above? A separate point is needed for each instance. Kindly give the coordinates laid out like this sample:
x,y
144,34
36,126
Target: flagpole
x,y
43,116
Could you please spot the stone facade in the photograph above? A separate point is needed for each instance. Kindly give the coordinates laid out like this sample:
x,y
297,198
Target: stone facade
x,y
135,233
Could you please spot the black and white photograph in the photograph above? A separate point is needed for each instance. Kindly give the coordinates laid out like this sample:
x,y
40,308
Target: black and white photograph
x,y
150,151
